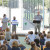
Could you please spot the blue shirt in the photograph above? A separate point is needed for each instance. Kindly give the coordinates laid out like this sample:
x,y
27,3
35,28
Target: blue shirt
x,y
14,22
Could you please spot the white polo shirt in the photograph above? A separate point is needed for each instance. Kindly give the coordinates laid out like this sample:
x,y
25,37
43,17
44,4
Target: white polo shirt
x,y
31,37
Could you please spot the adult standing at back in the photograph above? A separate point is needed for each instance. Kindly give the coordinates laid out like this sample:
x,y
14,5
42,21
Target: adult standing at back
x,y
37,20
4,22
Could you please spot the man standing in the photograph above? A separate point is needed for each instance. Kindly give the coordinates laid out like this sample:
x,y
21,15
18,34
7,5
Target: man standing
x,y
37,20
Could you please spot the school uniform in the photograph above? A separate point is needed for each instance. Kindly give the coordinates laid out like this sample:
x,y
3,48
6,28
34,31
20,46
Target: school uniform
x,y
8,36
12,40
42,41
15,48
31,37
46,48
32,49
22,48
8,47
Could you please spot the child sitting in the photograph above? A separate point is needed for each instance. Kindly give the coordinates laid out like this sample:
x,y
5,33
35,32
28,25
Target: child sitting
x,y
8,34
15,46
8,47
33,46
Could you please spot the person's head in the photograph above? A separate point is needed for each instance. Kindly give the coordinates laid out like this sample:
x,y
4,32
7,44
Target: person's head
x,y
15,44
42,36
32,44
14,18
7,29
4,15
3,47
12,36
2,37
48,35
38,13
30,32
48,32
16,36
44,32
48,44
5,42
37,41
36,33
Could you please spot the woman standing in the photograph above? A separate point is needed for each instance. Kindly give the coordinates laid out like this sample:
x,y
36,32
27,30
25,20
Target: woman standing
x,y
4,22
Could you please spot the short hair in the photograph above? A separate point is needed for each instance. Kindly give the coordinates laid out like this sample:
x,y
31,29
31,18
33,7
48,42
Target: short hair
x,y
37,41
43,31
42,36
3,47
12,36
14,17
48,35
48,32
36,32
48,44
16,36
7,29
32,44
5,42
4,15
30,32
15,44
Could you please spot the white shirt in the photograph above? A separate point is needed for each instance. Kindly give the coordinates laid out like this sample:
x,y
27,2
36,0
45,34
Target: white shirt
x,y
8,35
12,40
31,37
47,40
1,41
37,36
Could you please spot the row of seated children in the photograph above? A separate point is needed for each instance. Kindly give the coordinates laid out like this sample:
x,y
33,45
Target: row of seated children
x,y
15,46
39,39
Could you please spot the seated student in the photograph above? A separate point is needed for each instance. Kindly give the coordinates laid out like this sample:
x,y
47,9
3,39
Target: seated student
x,y
43,33
30,37
21,47
14,38
11,40
8,47
8,34
3,47
37,35
17,39
37,42
47,46
33,46
15,46
2,38
48,38
42,40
